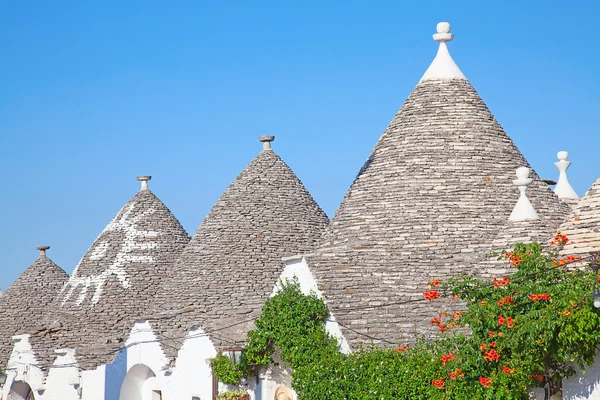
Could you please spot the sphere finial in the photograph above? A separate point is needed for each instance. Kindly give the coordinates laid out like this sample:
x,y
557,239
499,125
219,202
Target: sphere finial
x,y
443,34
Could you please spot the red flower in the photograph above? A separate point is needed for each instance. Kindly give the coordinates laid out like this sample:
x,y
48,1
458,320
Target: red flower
x,y
446,358
538,377
493,344
435,320
501,320
457,373
507,370
438,383
431,295
434,282
485,381
403,348
492,334
491,355
500,282
509,323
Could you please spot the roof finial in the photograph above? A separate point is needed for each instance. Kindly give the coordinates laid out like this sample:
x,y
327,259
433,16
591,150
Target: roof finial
x,y
443,66
443,34
266,141
42,250
144,179
523,209
563,188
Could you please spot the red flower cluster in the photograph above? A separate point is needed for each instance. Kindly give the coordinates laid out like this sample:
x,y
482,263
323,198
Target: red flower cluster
x,y
500,282
486,382
507,370
403,348
457,373
559,240
431,295
438,383
505,300
513,258
491,355
509,322
447,357
538,377
538,297
440,324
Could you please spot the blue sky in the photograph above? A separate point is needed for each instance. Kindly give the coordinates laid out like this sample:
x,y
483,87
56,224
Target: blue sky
x,y
94,93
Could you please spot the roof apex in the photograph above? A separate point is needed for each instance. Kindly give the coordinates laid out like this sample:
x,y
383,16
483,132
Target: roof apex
x,y
443,66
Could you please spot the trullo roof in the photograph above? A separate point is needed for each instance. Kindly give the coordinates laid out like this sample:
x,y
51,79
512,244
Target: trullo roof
x,y
27,300
427,204
115,281
234,260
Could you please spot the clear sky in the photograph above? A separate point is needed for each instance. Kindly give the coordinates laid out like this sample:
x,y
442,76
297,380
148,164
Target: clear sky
x,y
93,93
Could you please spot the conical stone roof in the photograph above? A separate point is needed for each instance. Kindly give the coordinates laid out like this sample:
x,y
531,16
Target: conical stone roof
x,y
234,260
583,225
27,301
427,204
116,280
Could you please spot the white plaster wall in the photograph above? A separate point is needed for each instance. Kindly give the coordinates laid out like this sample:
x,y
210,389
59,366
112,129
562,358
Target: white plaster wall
x,y
22,366
92,383
583,385
271,378
298,267
63,377
144,348
192,375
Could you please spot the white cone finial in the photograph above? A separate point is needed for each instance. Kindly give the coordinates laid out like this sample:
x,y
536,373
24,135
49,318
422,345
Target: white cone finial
x,y
443,66
523,209
144,179
563,188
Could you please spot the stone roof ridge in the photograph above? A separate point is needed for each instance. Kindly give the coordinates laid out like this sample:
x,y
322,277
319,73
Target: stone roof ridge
x,y
523,210
583,225
563,188
443,66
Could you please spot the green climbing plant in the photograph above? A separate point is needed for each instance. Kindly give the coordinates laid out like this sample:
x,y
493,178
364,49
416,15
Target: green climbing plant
x,y
508,335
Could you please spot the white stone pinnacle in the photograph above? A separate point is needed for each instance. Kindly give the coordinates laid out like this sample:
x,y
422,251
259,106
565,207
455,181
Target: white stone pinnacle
x,y
443,66
563,188
523,209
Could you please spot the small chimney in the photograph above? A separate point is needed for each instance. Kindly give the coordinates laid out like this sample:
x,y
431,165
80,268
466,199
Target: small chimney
x,y
42,250
144,179
523,209
266,141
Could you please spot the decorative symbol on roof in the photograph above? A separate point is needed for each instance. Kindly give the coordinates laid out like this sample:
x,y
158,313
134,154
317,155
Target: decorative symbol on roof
x,y
133,242
563,188
443,66
523,210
